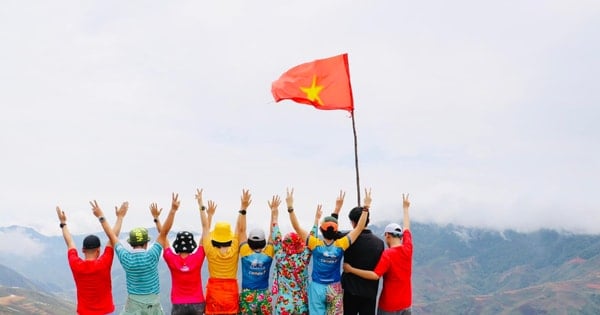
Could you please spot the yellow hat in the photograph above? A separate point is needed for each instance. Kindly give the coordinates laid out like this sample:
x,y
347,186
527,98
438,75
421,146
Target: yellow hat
x,y
222,232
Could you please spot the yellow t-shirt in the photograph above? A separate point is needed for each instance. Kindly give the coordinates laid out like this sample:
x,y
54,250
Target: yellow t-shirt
x,y
222,265
342,243
245,250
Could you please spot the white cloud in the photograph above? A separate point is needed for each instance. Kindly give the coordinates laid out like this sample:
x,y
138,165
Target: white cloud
x,y
18,243
485,113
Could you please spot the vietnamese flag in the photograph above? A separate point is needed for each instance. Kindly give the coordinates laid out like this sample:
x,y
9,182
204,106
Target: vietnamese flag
x,y
323,83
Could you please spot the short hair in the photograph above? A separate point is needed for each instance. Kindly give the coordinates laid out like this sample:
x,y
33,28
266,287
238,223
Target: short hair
x,y
355,214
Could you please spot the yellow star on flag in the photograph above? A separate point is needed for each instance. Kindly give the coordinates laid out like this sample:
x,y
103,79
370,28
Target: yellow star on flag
x,y
312,92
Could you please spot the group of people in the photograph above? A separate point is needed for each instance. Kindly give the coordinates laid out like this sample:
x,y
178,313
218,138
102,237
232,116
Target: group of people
x,y
329,291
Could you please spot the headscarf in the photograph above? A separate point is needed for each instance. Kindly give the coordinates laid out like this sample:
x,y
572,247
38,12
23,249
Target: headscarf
x,y
292,244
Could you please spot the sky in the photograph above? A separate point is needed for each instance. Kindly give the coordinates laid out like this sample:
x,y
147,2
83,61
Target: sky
x,y
484,111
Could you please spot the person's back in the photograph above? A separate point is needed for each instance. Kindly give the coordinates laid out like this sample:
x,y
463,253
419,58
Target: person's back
x,y
186,277
396,268
360,295
92,273
141,273
141,268
256,257
222,254
93,282
291,258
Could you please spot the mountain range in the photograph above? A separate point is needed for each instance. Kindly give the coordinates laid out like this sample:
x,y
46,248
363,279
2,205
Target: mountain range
x,y
456,270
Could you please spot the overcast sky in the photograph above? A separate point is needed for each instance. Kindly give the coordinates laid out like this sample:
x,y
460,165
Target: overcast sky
x,y
486,112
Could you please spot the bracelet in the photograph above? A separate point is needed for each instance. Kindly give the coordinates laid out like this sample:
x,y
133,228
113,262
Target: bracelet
x,y
62,225
335,215
290,209
242,212
101,219
202,208
365,209
155,220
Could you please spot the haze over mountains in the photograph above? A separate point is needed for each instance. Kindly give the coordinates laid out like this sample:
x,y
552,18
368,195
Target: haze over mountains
x,y
456,270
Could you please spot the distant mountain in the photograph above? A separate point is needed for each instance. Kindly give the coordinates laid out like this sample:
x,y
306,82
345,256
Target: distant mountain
x,y
19,295
456,270
11,278
477,271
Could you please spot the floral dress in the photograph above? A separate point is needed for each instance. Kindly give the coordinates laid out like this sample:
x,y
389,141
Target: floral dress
x,y
291,273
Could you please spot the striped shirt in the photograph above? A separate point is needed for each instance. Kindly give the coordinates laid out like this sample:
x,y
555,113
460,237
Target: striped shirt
x,y
141,268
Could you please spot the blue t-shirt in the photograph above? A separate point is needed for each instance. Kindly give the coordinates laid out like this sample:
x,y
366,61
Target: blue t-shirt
x,y
256,267
327,259
141,268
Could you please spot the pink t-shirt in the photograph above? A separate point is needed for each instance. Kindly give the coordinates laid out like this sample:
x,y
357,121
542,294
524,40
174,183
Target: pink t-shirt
x,y
186,279
395,265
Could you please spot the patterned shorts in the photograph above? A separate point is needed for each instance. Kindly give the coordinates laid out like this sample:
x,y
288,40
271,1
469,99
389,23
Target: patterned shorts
x,y
325,298
255,302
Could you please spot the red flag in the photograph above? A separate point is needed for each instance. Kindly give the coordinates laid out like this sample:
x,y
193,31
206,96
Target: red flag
x,y
323,83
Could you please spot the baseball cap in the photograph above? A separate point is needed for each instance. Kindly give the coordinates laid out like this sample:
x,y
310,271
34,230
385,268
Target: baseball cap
x,y
394,229
329,221
138,236
222,232
256,235
91,242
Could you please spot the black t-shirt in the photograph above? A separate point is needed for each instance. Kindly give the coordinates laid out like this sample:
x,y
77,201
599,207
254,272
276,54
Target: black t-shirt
x,y
364,253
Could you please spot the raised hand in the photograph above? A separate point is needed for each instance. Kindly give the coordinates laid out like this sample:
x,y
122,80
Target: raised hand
x,y
367,200
289,198
319,212
212,207
199,198
96,209
122,210
62,217
274,204
174,201
154,210
246,199
339,202
405,201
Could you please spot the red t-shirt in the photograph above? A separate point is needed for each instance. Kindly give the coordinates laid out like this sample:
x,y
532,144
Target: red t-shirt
x,y
186,280
93,282
395,265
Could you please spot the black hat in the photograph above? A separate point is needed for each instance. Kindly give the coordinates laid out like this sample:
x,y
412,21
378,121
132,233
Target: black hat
x,y
91,242
184,242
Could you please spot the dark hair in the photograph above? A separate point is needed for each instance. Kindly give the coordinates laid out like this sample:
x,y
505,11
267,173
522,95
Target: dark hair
x,y
220,244
254,245
355,214
330,233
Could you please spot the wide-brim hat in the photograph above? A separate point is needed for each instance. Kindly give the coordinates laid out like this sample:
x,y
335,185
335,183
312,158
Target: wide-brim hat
x,y
222,233
184,242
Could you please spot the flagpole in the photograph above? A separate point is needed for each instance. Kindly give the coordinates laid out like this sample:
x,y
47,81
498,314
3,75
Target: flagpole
x,y
356,160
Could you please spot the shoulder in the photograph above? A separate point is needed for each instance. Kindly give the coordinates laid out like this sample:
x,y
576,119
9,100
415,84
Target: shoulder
x,y
72,254
156,247
269,250
343,242
245,249
313,241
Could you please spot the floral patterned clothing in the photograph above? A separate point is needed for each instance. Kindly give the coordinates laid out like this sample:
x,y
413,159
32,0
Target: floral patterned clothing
x,y
255,302
290,277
